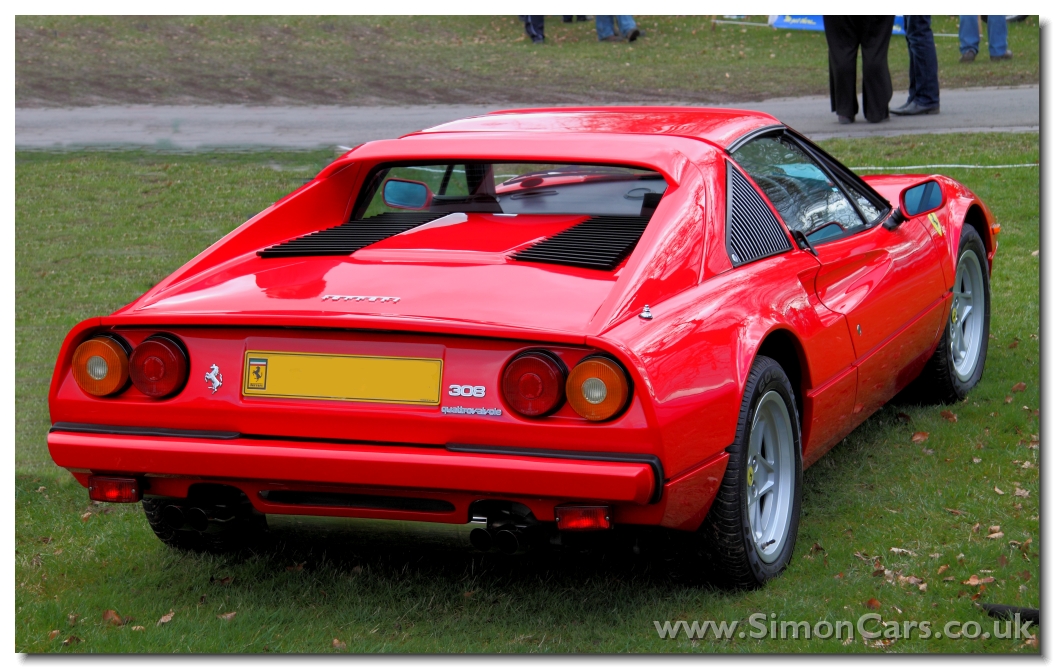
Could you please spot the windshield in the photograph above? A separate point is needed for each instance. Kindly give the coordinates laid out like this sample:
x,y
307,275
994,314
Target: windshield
x,y
515,188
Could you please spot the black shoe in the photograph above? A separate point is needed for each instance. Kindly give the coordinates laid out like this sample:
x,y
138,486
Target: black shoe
x,y
1006,56
845,120
968,56
634,34
915,109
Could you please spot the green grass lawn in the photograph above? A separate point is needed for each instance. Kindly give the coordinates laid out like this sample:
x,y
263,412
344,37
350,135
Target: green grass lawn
x,y
355,60
94,230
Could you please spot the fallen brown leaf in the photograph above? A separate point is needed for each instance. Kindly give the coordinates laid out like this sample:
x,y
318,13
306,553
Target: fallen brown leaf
x,y
943,568
920,436
927,451
975,528
296,567
949,416
904,417
54,634
1021,492
900,550
993,528
72,640
949,579
1009,399
879,572
165,619
840,576
872,603
1003,561
1013,344
1025,575
45,539
138,628
999,491
816,547
976,460
468,594
223,581
84,518
997,534
112,617
72,618
973,581
339,644
227,616
1020,387
955,512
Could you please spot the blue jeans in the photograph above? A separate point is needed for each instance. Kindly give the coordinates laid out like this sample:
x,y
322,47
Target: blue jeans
x,y
606,25
922,62
970,35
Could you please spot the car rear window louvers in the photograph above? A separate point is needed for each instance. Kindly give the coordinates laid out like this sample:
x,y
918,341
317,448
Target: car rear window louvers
x,y
753,231
599,242
351,236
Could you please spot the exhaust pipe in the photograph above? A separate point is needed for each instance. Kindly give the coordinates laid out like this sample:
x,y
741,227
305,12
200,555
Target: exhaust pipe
x,y
510,541
197,518
481,539
173,517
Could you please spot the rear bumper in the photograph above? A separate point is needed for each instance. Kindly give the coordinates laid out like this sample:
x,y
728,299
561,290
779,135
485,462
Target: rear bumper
x,y
456,469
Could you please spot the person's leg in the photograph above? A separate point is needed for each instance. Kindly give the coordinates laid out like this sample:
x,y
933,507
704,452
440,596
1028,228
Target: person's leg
x,y
924,58
842,44
969,34
911,39
997,36
605,27
535,27
627,27
875,32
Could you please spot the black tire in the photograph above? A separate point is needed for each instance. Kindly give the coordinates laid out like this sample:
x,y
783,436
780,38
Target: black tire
x,y
726,532
939,379
241,529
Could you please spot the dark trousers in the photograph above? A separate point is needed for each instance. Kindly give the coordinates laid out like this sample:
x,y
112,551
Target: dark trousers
x,y
535,27
922,62
870,35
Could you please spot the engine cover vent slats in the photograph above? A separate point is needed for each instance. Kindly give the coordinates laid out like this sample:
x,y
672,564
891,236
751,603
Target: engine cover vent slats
x,y
349,237
753,232
599,242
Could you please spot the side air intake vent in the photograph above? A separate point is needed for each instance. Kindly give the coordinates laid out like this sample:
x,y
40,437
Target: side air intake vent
x,y
351,236
600,242
753,231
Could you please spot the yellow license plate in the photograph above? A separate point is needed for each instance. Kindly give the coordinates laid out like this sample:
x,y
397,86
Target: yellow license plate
x,y
393,380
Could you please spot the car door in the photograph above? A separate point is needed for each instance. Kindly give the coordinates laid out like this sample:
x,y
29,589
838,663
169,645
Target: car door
x,y
887,283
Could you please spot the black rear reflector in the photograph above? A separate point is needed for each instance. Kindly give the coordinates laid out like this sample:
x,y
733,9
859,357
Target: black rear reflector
x,y
599,242
368,501
351,236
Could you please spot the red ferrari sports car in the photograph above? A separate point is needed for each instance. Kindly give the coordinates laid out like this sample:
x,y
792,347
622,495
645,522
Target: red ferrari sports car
x,y
539,321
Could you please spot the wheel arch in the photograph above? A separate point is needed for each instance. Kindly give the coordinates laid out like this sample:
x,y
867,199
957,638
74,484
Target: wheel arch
x,y
977,218
782,345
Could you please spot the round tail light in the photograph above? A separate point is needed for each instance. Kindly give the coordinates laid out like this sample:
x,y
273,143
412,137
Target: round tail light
x,y
100,366
533,384
158,367
597,388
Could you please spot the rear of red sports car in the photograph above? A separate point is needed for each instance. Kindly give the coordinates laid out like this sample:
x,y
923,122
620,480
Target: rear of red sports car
x,y
420,333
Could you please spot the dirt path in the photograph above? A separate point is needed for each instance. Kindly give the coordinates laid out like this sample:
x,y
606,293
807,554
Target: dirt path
x,y
202,127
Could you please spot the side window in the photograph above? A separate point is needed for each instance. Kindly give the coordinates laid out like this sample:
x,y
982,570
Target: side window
x,y
805,198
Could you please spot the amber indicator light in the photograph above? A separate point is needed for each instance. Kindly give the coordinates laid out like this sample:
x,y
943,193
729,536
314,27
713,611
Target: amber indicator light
x,y
100,366
597,388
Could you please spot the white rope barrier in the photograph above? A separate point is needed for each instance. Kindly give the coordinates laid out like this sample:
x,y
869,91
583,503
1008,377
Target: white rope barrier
x,y
898,168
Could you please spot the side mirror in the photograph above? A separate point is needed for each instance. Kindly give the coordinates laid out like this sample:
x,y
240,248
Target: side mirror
x,y
402,194
915,201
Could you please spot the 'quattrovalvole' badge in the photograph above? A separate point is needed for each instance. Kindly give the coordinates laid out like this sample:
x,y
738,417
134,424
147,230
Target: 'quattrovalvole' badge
x,y
257,373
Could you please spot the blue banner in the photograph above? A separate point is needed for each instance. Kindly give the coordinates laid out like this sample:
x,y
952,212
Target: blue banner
x,y
815,22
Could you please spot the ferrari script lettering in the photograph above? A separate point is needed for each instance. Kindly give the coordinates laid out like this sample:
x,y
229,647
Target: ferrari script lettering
x,y
467,391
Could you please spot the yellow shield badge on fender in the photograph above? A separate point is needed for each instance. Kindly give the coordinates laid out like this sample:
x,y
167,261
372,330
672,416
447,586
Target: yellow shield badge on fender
x,y
936,224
